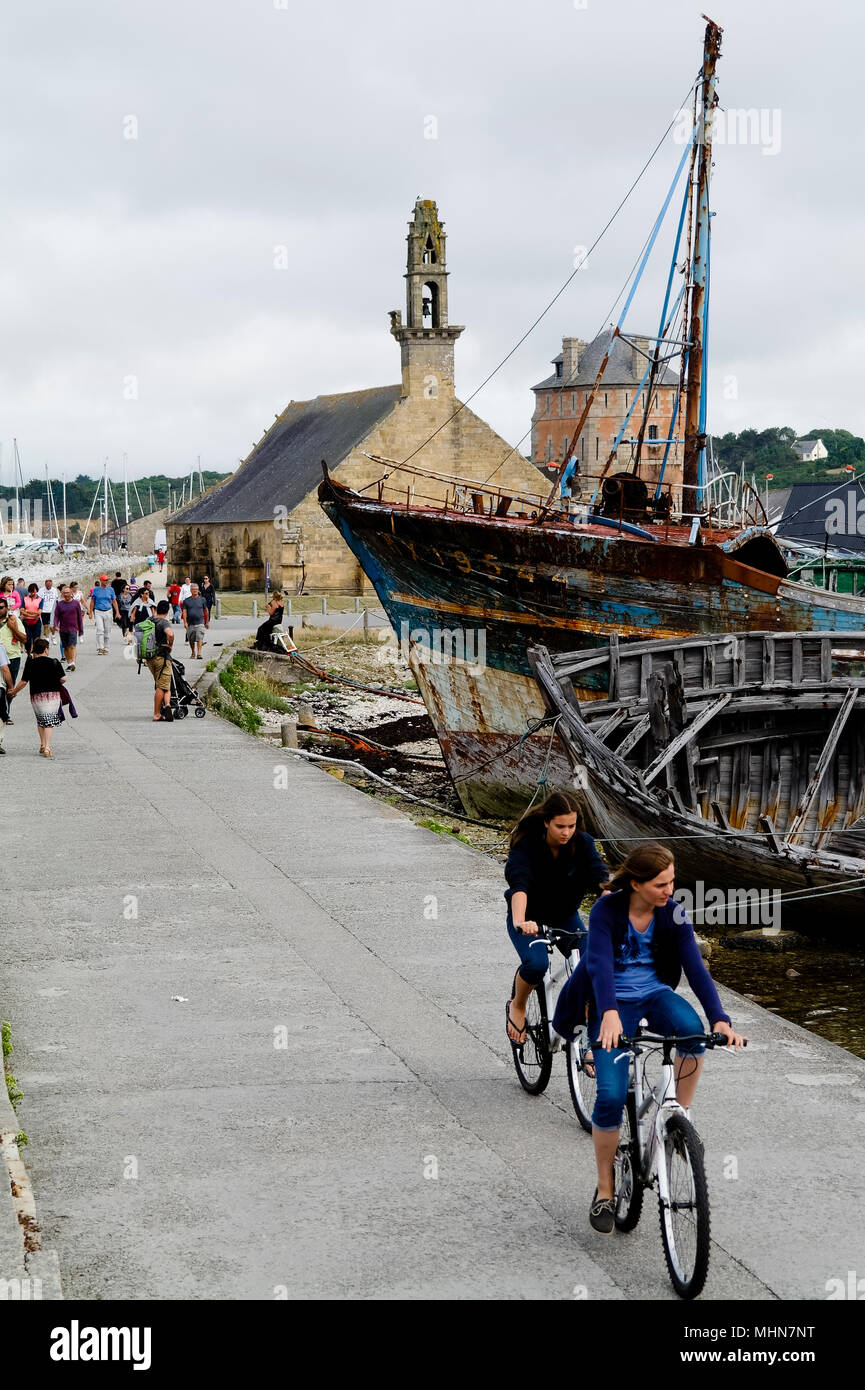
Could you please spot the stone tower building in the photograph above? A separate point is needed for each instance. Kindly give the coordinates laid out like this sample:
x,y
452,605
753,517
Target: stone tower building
x,y
267,513
426,339
560,399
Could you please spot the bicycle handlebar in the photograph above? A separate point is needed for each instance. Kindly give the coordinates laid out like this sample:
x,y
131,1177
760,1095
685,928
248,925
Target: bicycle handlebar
x,y
709,1039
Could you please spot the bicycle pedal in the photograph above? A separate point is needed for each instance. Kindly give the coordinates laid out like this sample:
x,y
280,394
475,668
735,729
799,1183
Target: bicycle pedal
x,y
557,1042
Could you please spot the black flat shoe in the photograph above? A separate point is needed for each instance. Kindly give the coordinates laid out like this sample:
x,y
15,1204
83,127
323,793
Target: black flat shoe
x,y
602,1214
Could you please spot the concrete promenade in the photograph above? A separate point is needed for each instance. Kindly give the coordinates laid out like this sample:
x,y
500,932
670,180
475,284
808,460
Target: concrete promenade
x,y
332,1111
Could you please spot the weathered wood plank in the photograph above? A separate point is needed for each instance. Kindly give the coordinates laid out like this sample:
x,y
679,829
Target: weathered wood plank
x,y
631,739
686,735
768,827
609,725
823,762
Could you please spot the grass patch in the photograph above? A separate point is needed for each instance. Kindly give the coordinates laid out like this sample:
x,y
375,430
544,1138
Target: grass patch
x,y
12,1088
211,666
439,829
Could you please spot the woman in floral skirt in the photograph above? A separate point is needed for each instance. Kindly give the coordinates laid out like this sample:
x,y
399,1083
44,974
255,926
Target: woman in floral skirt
x,y
44,675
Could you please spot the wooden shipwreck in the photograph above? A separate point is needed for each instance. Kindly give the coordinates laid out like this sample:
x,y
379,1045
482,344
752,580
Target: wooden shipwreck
x,y
745,753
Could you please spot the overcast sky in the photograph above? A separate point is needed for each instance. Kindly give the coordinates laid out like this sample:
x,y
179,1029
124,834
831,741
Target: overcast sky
x,y
146,264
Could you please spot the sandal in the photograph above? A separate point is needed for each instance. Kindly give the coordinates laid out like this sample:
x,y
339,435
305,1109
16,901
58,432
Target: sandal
x,y
509,1023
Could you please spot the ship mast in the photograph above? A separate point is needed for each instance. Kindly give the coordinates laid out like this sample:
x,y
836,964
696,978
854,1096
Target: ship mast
x,y
694,461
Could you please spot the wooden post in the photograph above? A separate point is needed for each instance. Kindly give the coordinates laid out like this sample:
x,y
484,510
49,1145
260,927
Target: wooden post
x,y
255,608
324,605
366,622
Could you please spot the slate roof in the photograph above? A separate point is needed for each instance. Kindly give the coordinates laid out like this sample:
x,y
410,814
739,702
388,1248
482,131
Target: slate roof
x,y
810,524
285,465
625,367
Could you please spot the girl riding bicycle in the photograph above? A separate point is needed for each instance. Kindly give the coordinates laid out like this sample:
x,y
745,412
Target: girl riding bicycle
x,y
640,941
551,867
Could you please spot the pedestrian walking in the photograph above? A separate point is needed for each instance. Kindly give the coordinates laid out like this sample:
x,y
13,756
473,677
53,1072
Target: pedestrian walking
x,y
69,623
208,593
143,606
10,593
118,584
174,600
44,675
6,687
124,603
31,615
21,591
160,556
196,619
185,588
159,663
103,609
48,597
13,638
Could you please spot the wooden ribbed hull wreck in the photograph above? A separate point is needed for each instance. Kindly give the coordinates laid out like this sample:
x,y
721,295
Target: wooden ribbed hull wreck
x,y
493,585
747,754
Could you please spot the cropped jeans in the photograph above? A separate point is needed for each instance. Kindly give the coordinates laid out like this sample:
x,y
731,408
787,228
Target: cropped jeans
x,y
665,1011
532,951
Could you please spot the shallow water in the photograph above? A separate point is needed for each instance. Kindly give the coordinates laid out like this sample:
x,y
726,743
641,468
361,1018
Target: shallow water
x,y
827,995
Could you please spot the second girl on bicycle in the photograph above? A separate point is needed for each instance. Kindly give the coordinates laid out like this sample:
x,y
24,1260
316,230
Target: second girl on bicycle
x,y
640,941
551,867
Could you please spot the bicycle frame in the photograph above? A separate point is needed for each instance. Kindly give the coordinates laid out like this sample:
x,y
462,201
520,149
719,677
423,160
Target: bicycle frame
x,y
560,969
650,1133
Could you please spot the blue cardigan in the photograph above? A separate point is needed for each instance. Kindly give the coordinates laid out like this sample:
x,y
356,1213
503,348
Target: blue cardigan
x,y
674,949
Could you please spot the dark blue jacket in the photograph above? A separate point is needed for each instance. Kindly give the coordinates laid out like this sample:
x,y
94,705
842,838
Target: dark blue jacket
x,y
674,949
555,885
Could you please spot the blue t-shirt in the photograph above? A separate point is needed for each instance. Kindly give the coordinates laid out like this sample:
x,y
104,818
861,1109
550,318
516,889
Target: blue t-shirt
x,y
633,967
102,598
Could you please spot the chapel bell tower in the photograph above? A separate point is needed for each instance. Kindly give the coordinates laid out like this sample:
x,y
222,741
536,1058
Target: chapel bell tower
x,y
426,339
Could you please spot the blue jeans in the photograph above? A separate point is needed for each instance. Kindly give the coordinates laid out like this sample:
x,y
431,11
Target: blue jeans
x,y
533,952
666,1012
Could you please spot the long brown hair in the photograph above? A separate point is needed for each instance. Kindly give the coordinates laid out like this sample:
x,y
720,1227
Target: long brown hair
x,y
557,804
643,863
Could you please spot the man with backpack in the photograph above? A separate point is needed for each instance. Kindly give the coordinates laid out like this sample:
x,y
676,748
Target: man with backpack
x,y
154,638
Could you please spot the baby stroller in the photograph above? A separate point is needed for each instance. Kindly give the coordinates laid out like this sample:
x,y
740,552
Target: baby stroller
x,y
183,695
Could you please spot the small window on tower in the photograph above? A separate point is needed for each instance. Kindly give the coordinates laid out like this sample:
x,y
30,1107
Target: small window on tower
x,y
549,453
429,253
653,431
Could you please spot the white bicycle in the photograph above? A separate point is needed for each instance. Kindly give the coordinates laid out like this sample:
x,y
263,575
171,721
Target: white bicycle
x,y
533,1059
659,1147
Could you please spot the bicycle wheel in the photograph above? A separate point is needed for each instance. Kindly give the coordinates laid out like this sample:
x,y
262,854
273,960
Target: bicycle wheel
x,y
533,1059
685,1222
583,1085
627,1185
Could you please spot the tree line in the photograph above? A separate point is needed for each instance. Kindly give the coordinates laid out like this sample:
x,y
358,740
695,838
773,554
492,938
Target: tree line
x,y
81,491
771,451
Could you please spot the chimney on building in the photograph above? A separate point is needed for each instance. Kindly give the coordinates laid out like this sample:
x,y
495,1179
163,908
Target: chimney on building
x,y
640,359
571,350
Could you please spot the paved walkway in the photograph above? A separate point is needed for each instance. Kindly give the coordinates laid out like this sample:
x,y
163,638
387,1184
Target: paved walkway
x,y
338,1044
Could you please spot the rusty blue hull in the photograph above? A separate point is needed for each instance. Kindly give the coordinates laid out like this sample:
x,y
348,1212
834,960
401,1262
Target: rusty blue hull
x,y
493,586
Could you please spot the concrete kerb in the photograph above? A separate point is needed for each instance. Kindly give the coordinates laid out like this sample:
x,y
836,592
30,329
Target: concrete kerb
x,y
27,1271
205,683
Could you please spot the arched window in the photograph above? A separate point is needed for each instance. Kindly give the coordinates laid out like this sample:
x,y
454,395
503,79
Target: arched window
x,y
429,252
548,456
565,442
430,301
